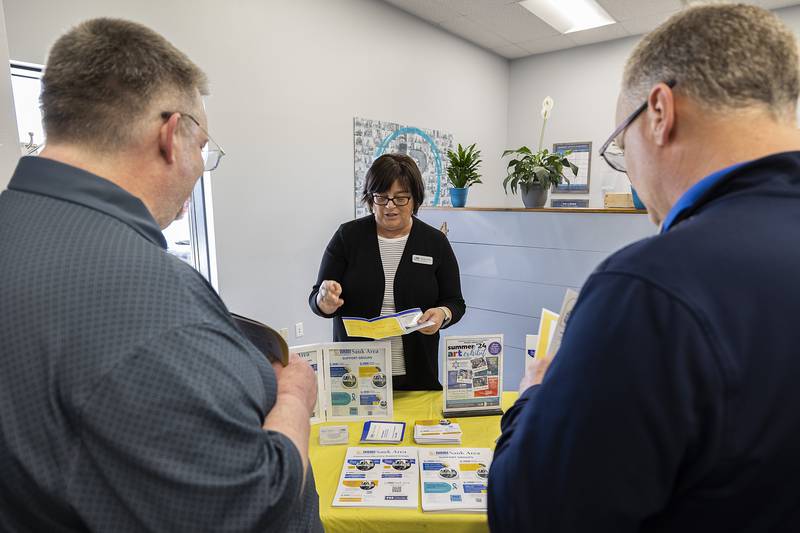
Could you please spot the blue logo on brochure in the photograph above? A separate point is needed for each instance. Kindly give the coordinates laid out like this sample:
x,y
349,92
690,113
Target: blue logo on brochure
x,y
494,348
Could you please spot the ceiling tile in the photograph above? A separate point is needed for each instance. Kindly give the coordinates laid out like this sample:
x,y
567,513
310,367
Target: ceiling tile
x,y
633,9
513,22
775,4
431,10
546,44
645,24
511,51
472,31
596,35
468,7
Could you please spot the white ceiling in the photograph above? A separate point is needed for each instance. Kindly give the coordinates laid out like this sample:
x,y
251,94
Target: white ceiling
x,y
511,31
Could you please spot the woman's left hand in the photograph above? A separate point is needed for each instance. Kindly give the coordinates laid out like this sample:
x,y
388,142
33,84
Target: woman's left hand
x,y
434,314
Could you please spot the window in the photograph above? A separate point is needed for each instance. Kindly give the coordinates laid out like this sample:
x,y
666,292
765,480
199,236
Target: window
x,y
190,237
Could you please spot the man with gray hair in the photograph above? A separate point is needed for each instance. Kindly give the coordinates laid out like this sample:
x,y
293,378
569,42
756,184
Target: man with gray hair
x,y
671,404
129,399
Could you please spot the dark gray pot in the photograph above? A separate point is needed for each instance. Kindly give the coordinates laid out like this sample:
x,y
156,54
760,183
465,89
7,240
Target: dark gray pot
x,y
533,196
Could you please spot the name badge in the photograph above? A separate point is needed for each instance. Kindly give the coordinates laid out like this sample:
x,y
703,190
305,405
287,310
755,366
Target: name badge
x,y
422,259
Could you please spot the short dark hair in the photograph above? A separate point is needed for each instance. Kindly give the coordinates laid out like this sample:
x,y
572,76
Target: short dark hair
x,y
389,168
104,75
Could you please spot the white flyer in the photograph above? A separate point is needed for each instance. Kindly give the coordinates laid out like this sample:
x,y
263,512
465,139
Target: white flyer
x,y
379,477
473,368
358,380
454,479
313,354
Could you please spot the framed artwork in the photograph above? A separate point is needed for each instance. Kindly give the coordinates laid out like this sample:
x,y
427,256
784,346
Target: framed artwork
x,y
427,147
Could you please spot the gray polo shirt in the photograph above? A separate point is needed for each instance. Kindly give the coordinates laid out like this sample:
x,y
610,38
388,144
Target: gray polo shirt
x,y
129,401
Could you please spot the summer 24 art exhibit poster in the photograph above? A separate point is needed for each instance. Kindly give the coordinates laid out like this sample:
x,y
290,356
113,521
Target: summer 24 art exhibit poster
x,y
473,374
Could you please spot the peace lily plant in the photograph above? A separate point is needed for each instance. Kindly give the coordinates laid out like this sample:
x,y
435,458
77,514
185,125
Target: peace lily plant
x,y
535,172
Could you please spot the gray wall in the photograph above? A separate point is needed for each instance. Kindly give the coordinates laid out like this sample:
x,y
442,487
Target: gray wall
x,y
287,78
514,263
584,82
9,137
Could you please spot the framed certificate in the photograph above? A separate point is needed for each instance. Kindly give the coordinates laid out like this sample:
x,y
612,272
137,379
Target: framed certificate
x,y
473,367
358,380
313,355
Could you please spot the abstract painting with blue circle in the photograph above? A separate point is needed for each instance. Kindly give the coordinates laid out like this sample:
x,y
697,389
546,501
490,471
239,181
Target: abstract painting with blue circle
x,y
373,138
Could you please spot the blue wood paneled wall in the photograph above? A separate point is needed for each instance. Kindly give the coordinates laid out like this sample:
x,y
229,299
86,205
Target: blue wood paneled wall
x,y
513,263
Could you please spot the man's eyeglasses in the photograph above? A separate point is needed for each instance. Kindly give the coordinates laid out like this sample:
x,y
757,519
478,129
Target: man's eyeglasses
x,y
212,152
611,151
382,199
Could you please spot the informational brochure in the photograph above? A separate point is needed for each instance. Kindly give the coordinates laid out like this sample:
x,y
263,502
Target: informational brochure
x,y
358,380
382,327
473,382
454,479
441,431
570,299
383,432
548,321
313,355
379,477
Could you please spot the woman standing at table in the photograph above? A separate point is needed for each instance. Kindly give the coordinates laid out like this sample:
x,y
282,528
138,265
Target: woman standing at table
x,y
390,261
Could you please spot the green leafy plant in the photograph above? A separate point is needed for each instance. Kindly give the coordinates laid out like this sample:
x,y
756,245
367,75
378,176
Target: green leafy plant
x,y
541,168
529,169
463,169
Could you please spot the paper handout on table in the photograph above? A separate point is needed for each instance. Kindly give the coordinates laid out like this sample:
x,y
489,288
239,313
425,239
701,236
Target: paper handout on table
x,y
379,477
437,432
383,432
454,479
382,327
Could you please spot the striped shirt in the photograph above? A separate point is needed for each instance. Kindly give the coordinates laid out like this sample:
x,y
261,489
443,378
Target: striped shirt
x,y
391,253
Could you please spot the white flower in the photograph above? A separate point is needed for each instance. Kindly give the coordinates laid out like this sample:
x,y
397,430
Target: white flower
x,y
547,106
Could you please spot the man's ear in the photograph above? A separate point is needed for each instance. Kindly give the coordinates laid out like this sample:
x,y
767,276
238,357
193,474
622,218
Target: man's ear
x,y
166,137
661,113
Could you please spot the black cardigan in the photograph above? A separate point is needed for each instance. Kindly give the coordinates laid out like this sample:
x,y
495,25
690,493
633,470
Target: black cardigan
x,y
353,259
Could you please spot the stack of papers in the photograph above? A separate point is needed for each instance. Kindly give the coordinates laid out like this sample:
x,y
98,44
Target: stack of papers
x,y
383,432
329,435
437,432
379,477
454,479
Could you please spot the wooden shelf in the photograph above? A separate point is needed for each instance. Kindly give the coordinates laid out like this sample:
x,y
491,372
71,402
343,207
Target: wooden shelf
x,y
623,211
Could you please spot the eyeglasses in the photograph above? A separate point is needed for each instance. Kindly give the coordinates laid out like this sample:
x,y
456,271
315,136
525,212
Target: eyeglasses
x,y
613,154
211,155
399,201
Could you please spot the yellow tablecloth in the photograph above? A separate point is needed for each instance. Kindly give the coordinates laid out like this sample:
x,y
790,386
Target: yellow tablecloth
x,y
478,432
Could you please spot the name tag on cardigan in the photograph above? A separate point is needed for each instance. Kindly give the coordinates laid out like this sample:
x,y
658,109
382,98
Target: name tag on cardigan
x,y
422,259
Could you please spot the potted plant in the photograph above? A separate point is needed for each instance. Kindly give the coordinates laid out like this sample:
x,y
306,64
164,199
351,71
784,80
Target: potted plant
x,y
535,172
463,172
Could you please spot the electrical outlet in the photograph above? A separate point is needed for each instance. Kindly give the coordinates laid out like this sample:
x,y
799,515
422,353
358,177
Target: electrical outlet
x,y
298,330
284,333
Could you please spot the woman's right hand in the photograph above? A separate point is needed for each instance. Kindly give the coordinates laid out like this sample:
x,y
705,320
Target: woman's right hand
x,y
328,297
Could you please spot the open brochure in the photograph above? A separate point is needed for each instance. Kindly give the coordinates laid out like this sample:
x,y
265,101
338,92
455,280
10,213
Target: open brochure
x,y
267,340
379,477
454,479
382,327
